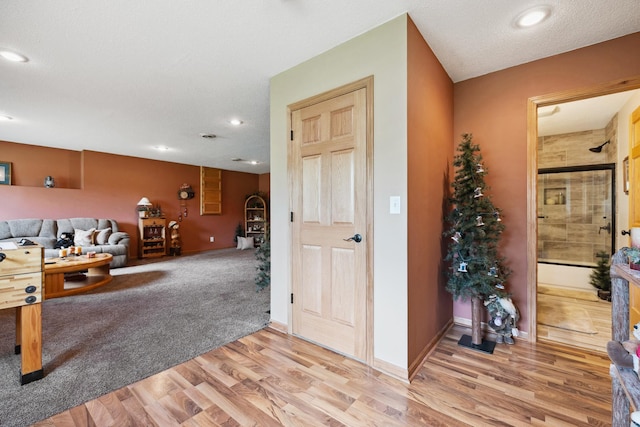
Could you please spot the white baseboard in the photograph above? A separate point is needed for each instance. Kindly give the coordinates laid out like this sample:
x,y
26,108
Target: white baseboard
x,y
392,370
281,327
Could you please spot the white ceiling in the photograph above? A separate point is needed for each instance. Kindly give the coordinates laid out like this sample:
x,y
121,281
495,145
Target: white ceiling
x,y
577,116
124,76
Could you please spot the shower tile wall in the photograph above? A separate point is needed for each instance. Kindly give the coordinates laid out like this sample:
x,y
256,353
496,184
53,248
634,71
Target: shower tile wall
x,y
573,206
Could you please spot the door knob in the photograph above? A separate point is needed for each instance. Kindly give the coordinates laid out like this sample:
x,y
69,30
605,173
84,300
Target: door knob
x,y
2,256
356,238
626,232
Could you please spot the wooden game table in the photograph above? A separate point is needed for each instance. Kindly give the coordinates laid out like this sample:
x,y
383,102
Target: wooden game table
x,y
21,288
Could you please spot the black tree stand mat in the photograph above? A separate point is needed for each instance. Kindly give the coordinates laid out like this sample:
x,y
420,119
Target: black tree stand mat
x,y
485,346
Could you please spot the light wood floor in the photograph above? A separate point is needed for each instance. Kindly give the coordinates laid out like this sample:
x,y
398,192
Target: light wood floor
x,y
271,379
598,311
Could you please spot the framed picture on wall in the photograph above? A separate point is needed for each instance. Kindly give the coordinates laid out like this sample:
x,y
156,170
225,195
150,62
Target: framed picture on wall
x,y
625,175
5,173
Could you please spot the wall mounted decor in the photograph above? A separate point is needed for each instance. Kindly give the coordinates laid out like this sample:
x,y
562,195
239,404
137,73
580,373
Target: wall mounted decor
x,y
5,173
625,175
186,192
49,182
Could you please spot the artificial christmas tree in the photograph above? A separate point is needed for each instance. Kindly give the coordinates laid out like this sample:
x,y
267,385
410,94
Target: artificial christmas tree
x,y
263,255
600,277
476,270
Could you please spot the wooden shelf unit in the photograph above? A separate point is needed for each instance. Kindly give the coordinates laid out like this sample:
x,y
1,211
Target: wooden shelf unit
x,y
255,219
625,384
153,237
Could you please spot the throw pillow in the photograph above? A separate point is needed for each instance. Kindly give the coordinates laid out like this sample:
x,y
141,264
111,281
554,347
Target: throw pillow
x,y
84,237
246,242
102,236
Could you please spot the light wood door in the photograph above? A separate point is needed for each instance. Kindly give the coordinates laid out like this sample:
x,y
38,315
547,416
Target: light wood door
x,y
634,203
634,169
329,207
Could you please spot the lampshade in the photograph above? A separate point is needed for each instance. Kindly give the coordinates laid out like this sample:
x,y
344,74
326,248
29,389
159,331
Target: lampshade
x,y
144,202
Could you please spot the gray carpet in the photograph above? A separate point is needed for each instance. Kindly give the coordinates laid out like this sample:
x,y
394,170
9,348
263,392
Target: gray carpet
x,y
150,317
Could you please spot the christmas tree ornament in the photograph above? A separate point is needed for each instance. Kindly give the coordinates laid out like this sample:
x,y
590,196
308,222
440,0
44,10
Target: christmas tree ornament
x,y
479,222
493,271
456,237
497,215
479,169
499,286
478,192
463,267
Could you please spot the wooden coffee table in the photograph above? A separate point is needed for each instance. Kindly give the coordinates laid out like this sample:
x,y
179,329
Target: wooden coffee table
x,y
97,274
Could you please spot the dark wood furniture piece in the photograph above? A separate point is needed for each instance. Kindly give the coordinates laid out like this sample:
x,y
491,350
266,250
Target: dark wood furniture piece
x,y
153,237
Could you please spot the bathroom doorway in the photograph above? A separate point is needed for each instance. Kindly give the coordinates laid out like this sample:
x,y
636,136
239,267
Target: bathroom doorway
x,y
576,228
567,149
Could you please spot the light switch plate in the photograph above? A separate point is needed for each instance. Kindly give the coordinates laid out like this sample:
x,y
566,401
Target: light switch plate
x,y
394,205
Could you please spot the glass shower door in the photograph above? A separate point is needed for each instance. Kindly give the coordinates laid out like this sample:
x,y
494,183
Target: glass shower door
x,y
576,218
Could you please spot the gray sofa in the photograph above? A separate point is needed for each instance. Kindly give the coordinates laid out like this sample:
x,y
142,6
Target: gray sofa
x,y
47,232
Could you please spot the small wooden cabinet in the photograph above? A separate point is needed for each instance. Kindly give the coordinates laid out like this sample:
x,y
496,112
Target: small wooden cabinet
x,y
255,219
153,237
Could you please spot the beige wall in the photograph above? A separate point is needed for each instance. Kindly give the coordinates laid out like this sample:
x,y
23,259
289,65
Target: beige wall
x,y
381,52
494,108
413,110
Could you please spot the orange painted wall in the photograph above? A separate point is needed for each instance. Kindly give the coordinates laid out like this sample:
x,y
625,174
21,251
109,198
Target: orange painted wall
x,y
264,183
430,128
494,108
30,171
264,186
111,186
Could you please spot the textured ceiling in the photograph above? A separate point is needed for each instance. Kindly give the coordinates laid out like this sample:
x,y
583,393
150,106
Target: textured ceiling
x,y
124,76
587,114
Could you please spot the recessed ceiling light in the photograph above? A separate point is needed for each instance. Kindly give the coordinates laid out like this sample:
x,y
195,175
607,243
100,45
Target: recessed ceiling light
x,y
208,135
235,122
5,118
13,56
533,16
249,162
